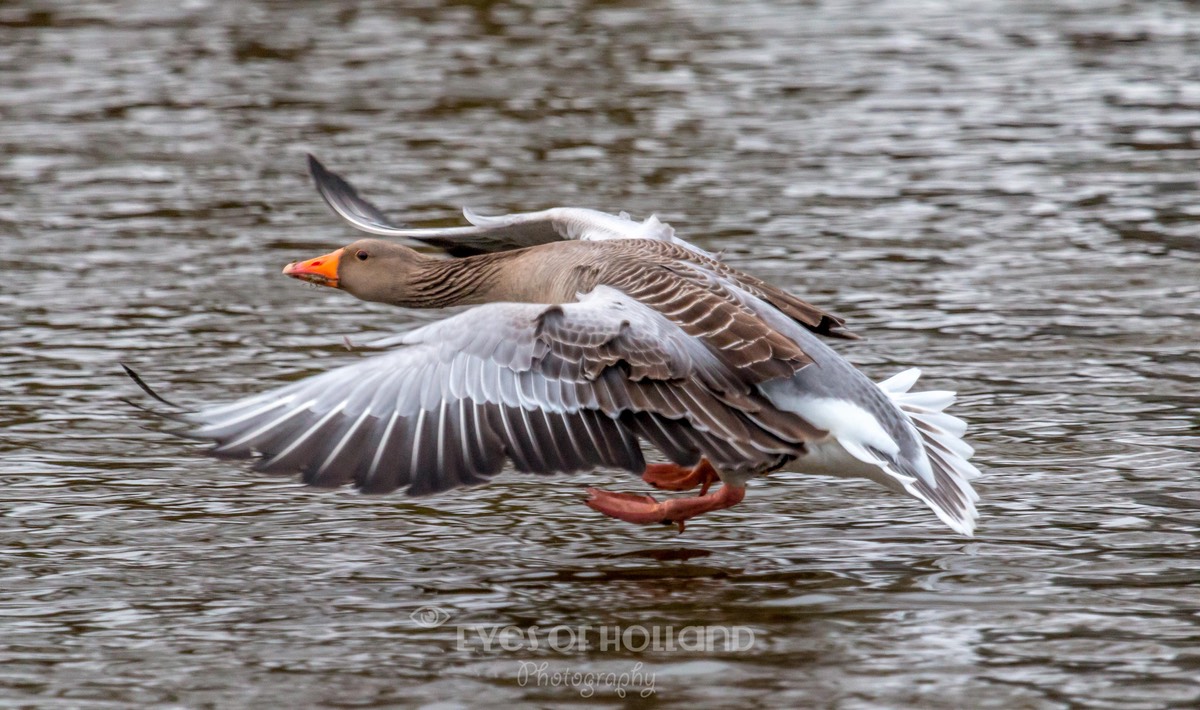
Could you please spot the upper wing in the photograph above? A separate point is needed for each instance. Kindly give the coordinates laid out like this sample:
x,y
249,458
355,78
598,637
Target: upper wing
x,y
806,314
552,388
489,234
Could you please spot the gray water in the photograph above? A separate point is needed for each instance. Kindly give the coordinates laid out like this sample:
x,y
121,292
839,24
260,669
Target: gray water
x,y
1007,196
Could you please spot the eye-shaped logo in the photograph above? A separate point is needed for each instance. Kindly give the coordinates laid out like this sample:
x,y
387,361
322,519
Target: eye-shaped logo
x,y
429,617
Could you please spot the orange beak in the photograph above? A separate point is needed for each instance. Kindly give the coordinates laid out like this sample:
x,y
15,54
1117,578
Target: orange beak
x,y
322,271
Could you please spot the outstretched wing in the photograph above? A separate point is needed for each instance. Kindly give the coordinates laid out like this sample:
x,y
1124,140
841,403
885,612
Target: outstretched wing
x,y
553,389
490,234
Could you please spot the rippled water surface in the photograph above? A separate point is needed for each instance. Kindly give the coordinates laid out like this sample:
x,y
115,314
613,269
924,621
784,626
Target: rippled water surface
x,y
1008,197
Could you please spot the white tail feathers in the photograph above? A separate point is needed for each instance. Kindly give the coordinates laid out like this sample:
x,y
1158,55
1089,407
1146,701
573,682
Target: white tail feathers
x,y
951,497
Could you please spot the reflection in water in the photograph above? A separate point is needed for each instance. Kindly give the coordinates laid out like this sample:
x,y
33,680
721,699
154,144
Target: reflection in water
x,y
1005,196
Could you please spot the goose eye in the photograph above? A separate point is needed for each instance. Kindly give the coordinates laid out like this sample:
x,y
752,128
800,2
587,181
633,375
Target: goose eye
x,y
361,255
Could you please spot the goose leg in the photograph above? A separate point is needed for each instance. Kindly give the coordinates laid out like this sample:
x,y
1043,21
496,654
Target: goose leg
x,y
672,477
644,510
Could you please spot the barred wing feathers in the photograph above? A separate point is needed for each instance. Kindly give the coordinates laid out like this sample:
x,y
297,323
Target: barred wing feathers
x,y
553,389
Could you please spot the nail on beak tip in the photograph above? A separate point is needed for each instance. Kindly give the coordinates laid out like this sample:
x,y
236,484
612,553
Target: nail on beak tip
x,y
322,270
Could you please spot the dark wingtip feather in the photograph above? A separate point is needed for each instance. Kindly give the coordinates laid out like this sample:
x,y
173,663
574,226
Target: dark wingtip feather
x,y
344,200
314,165
343,197
137,380
173,416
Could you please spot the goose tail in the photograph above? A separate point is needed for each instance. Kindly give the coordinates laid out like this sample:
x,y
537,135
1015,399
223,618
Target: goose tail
x,y
950,495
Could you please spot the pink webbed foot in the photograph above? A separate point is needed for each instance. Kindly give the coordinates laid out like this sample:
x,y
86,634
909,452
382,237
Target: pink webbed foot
x,y
644,510
630,507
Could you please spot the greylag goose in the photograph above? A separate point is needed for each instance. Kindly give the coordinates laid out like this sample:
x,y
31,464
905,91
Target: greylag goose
x,y
591,335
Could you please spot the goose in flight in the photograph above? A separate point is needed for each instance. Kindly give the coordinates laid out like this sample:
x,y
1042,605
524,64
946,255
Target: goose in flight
x,y
591,337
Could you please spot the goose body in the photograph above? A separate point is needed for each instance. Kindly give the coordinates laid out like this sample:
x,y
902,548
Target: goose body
x,y
593,334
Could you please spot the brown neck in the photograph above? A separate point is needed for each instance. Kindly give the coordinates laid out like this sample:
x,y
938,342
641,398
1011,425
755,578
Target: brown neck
x,y
441,283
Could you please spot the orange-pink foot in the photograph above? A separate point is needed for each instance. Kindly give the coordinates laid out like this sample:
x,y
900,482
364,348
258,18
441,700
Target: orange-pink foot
x,y
630,507
644,510
672,477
